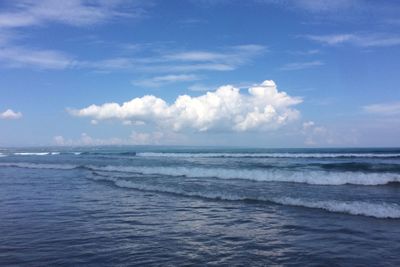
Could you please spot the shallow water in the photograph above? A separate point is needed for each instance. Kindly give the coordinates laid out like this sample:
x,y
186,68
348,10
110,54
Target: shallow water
x,y
184,206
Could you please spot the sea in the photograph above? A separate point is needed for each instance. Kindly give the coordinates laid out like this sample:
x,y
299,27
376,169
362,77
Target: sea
x,y
199,206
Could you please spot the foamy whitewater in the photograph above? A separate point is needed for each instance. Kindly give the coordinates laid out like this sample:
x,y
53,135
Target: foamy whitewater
x,y
188,206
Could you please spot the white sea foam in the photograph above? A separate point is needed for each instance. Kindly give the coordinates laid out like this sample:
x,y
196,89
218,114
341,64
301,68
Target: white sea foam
x,y
31,153
377,210
309,177
38,165
269,155
381,210
2,155
35,153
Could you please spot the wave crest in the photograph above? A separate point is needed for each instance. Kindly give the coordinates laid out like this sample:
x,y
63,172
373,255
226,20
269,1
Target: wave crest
x,y
298,176
309,177
381,210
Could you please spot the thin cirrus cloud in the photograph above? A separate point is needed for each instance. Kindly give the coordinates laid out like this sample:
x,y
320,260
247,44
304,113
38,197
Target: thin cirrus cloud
x,y
80,13
237,54
226,109
159,62
316,6
73,12
10,114
362,40
224,59
353,11
29,13
166,79
302,65
18,57
386,109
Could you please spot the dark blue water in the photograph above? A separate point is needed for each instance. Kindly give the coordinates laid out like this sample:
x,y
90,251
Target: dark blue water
x,y
152,206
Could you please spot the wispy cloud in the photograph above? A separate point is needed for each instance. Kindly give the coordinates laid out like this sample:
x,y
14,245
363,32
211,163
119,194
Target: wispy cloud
x,y
319,6
165,61
198,87
363,40
110,64
80,13
236,54
156,62
355,12
387,109
42,59
302,65
73,12
166,79
309,52
193,67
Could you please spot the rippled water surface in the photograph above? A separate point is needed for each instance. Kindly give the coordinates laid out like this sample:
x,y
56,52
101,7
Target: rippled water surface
x,y
199,206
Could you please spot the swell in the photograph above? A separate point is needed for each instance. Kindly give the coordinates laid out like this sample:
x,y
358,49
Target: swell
x,y
104,153
381,210
216,154
308,177
358,166
298,176
36,153
269,155
47,153
27,165
333,167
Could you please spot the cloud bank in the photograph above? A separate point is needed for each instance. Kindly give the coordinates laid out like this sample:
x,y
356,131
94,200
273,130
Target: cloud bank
x,y
10,114
135,138
263,107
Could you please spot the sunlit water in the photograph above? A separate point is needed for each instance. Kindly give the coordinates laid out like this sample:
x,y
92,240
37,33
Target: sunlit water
x,y
186,206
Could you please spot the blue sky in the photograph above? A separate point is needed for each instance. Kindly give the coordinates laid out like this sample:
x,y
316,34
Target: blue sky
x,y
306,73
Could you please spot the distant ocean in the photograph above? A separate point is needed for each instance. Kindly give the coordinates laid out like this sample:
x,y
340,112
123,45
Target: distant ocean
x,y
173,206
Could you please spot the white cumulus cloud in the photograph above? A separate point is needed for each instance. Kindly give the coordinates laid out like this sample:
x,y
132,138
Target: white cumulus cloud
x,y
263,107
10,114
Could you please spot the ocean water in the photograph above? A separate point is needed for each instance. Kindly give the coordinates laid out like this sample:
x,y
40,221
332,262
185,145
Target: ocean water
x,y
174,206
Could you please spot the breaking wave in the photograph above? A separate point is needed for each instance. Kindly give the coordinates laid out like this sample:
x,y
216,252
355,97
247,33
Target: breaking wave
x,y
309,177
31,153
44,153
381,210
298,176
